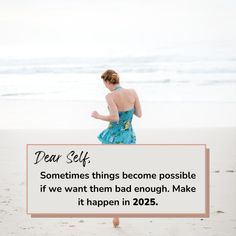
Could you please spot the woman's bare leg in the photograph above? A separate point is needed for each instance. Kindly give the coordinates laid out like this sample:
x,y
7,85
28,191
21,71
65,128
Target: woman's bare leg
x,y
116,221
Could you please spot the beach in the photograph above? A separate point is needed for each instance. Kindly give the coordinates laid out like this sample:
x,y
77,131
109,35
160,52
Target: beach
x,y
37,121
74,115
179,56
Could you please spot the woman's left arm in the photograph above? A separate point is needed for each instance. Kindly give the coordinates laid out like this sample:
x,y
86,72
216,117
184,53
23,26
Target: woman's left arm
x,y
113,116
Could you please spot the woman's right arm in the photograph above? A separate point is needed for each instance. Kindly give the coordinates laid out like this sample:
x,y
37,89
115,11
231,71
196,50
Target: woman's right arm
x,y
137,106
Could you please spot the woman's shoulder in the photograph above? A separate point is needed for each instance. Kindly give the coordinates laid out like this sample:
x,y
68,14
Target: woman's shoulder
x,y
108,95
125,90
132,91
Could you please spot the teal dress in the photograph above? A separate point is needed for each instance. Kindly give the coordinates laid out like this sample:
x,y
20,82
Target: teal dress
x,y
120,132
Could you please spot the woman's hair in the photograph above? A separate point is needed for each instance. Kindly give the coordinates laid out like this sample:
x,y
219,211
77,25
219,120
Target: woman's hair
x,y
111,76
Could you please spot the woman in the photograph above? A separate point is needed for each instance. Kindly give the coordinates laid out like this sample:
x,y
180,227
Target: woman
x,y
122,104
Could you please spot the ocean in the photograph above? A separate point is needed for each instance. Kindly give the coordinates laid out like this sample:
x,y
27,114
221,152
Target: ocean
x,y
166,77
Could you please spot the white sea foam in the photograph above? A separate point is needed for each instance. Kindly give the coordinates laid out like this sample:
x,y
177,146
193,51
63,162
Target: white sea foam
x,y
172,75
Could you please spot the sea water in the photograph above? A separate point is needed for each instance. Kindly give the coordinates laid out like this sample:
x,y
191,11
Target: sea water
x,y
172,76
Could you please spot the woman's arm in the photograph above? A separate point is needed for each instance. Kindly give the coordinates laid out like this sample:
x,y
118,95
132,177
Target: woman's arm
x,y
137,106
114,116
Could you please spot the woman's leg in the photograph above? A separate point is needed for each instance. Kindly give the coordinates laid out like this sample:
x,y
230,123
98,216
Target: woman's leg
x,y
116,221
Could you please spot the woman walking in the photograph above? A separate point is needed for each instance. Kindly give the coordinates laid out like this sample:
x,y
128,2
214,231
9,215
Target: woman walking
x,y
122,105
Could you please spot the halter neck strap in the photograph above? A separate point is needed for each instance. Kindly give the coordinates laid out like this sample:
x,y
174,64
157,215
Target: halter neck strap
x,y
117,87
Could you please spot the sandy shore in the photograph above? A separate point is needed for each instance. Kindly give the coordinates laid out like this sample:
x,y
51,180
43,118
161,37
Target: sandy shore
x,y
49,114
222,221
69,122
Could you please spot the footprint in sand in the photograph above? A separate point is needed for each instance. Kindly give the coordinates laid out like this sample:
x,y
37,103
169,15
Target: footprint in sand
x,y
27,228
64,223
219,212
206,227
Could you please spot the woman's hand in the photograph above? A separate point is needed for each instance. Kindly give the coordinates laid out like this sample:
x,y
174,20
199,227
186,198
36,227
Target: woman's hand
x,y
95,115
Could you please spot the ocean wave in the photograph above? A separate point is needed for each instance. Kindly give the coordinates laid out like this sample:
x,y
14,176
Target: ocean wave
x,y
152,64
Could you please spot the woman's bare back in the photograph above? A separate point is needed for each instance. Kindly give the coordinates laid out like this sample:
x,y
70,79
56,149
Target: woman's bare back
x,y
126,99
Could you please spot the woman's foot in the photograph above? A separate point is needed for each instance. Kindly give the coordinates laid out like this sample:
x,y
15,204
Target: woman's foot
x,y
116,222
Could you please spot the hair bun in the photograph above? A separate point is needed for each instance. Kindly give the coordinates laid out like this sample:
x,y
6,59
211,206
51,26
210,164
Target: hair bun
x,y
114,78
111,76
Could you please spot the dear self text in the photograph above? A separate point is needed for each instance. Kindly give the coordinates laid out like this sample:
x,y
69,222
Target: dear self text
x,y
72,157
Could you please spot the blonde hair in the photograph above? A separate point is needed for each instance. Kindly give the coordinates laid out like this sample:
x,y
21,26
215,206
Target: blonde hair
x,y
111,76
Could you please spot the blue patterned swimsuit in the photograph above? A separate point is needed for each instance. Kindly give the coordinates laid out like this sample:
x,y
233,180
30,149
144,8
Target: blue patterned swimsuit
x,y
120,132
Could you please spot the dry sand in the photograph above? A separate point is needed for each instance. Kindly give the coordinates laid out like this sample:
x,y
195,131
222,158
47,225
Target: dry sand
x,y
15,133
49,114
